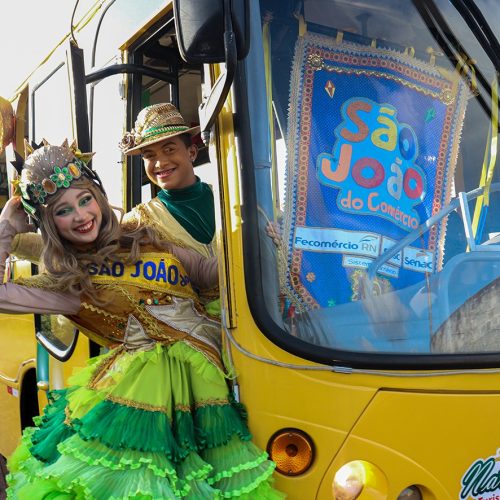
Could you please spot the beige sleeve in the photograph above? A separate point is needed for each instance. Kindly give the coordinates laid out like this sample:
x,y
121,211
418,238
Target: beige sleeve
x,y
202,271
27,246
131,220
19,299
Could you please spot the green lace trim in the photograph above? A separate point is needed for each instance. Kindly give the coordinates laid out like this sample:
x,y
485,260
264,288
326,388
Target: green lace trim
x,y
45,488
75,446
251,487
128,460
47,479
216,425
22,462
241,467
51,429
211,427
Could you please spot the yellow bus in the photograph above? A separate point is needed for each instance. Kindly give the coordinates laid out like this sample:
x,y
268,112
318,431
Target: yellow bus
x,y
352,148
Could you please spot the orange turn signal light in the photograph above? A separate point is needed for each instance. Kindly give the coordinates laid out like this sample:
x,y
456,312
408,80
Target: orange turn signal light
x,y
292,451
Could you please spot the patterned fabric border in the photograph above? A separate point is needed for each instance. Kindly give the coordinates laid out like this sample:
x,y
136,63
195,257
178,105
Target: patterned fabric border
x,y
373,140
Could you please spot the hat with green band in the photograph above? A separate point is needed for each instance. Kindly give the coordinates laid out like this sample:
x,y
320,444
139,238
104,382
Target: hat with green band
x,y
155,124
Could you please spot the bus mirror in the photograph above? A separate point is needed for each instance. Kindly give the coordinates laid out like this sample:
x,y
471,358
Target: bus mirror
x,y
201,24
6,124
210,32
57,335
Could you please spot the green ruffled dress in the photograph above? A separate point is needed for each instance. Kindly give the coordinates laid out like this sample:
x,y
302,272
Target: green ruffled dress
x,y
192,443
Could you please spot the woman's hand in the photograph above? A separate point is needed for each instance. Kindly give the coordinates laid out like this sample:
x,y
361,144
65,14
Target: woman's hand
x,y
13,212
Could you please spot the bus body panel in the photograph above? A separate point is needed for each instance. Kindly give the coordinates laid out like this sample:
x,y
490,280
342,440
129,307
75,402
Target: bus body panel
x,y
405,423
11,389
428,439
408,433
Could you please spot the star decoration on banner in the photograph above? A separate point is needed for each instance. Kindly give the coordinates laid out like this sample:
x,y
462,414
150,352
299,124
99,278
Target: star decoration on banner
x,y
330,88
430,115
310,277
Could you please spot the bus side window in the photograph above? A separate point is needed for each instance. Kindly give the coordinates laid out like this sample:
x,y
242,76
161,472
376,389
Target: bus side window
x,y
51,93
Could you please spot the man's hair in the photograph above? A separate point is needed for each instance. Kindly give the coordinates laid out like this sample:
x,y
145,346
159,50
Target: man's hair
x,y
186,139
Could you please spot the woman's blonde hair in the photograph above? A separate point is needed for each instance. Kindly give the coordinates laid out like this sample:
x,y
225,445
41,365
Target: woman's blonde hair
x,y
68,264
47,173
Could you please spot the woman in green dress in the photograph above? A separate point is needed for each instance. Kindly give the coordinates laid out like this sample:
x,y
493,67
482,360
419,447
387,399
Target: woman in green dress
x,y
153,417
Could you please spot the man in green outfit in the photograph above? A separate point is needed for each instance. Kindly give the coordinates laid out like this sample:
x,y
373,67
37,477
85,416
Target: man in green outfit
x,y
183,211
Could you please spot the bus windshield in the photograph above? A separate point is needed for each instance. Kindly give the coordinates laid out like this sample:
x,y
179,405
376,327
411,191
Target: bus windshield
x,y
374,138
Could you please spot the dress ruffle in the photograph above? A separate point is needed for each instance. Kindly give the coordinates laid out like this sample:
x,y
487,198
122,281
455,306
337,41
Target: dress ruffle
x,y
153,424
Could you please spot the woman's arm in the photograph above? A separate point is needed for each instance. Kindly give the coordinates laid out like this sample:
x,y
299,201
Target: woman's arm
x,y
20,299
203,271
7,232
25,245
24,299
13,220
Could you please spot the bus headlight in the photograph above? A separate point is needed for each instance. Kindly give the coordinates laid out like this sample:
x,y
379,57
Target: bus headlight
x,y
356,477
292,451
348,481
410,493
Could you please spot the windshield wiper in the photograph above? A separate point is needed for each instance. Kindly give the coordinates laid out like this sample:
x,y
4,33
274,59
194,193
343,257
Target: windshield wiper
x,y
453,49
480,28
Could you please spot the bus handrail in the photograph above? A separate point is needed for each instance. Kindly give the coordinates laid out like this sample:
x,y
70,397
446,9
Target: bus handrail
x,y
115,69
423,228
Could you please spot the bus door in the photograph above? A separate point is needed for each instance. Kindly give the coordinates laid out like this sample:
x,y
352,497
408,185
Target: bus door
x,y
18,401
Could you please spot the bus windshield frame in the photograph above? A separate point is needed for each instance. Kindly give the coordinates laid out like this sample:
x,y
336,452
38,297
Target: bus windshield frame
x,y
259,255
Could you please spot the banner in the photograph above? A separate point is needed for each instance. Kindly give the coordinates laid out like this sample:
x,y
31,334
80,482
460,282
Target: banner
x,y
372,144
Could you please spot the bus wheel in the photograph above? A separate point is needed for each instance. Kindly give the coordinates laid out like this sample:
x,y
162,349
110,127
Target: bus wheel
x,y
29,399
3,475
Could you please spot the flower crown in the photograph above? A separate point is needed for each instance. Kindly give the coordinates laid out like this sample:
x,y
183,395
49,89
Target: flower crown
x,y
49,169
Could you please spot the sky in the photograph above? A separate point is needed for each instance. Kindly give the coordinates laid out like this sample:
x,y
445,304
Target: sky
x,y
29,29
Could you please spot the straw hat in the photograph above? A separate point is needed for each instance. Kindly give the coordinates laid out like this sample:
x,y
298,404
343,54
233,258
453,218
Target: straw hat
x,y
7,128
154,124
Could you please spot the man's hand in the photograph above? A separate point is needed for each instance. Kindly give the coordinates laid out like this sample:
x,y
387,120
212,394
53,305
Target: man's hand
x,y
273,231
